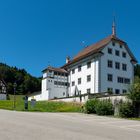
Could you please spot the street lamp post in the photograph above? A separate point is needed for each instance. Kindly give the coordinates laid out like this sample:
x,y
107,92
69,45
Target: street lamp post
x,y
15,85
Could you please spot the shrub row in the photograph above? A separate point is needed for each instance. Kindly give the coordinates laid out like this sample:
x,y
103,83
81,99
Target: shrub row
x,y
126,110
105,107
100,107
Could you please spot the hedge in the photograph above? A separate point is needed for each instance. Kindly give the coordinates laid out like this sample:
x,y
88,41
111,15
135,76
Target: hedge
x,y
126,110
104,107
90,106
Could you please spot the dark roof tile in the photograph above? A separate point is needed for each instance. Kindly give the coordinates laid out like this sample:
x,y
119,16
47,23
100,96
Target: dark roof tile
x,y
96,48
55,69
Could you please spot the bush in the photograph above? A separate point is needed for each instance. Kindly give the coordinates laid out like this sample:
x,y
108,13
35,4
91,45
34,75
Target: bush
x,y
126,110
104,107
8,97
90,106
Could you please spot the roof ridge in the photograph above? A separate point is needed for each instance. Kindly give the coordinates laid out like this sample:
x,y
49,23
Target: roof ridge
x,y
94,46
59,69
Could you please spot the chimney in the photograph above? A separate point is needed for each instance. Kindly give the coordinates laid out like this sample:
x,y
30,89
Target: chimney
x,y
67,59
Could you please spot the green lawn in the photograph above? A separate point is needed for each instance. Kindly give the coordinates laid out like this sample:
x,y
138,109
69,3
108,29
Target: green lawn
x,y
8,104
136,119
50,106
41,106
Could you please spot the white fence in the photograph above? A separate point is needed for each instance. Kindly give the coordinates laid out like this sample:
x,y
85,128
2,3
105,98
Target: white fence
x,y
2,96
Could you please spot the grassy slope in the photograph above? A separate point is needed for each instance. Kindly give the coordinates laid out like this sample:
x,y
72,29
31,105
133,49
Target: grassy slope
x,y
46,106
42,106
8,104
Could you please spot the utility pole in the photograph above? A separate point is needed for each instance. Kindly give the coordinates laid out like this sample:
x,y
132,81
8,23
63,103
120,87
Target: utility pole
x,y
15,85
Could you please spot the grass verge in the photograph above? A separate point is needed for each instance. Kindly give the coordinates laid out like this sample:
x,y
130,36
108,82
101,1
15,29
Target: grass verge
x,y
41,106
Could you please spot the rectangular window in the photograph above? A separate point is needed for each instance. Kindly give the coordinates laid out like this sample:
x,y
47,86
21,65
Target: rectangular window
x,y
110,77
117,91
79,81
117,65
124,91
55,82
120,80
109,51
63,84
113,43
73,83
117,53
73,71
124,54
88,90
79,68
124,67
127,81
110,64
88,65
66,84
55,73
110,90
88,78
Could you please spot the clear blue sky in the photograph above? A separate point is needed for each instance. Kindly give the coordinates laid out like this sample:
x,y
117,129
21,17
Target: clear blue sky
x,y
34,33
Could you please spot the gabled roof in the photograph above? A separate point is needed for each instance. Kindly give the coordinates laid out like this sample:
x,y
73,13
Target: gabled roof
x,y
97,48
3,82
55,69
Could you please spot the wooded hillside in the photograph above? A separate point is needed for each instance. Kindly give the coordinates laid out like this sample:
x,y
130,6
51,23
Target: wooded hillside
x,y
25,82
137,70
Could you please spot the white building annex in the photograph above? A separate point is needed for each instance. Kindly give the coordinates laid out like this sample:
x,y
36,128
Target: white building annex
x,y
106,66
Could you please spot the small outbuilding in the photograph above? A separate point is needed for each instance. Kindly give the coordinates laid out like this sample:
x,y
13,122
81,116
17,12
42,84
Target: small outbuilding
x,y
3,90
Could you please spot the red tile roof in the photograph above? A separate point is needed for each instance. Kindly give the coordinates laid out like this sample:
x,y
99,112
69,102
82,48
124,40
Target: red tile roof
x,y
97,47
55,69
93,49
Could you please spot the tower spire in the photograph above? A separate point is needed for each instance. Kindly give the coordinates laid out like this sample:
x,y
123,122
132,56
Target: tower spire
x,y
114,27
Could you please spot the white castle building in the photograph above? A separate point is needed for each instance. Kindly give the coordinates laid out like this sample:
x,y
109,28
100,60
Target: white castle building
x,y
106,66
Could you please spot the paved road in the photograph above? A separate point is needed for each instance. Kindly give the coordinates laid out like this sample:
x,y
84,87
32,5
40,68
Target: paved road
x,y
65,126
